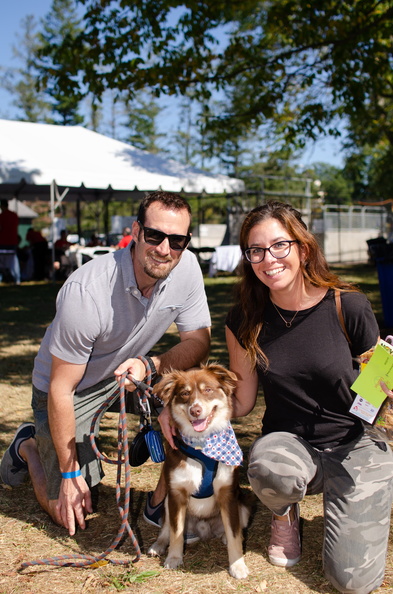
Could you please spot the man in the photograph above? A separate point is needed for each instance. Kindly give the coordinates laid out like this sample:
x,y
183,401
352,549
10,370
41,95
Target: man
x,y
40,253
109,311
9,222
62,264
125,240
9,239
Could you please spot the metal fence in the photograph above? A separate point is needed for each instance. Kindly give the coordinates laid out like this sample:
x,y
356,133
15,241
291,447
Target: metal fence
x,y
351,218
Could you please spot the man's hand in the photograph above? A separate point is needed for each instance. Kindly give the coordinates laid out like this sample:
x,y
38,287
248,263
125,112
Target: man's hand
x,y
74,503
134,367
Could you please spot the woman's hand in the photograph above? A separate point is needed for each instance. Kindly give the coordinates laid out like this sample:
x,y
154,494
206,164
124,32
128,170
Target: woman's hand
x,y
167,428
384,387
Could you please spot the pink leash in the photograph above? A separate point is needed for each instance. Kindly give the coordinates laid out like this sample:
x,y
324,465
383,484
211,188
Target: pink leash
x,y
122,458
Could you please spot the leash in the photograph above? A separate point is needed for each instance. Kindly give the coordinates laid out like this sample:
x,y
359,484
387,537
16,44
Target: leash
x,y
144,391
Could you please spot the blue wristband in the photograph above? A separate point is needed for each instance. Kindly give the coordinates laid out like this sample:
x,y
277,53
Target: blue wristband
x,y
73,474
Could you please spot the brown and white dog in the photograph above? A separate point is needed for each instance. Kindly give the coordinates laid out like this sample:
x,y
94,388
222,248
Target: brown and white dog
x,y
202,474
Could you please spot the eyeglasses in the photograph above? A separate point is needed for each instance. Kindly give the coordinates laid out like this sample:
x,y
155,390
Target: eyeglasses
x,y
278,250
155,237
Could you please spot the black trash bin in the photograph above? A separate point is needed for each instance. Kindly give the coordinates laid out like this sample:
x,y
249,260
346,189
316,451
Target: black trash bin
x,y
376,248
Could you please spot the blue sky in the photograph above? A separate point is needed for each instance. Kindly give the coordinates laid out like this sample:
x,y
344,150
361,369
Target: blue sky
x,y
11,15
326,150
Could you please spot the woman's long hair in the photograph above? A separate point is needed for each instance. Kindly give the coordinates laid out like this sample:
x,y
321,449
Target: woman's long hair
x,y
253,295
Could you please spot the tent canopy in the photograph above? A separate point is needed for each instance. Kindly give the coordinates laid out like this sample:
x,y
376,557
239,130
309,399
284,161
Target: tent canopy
x,y
92,166
22,210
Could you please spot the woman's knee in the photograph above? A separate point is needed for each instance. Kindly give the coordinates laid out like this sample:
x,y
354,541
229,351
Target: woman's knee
x,y
277,468
267,479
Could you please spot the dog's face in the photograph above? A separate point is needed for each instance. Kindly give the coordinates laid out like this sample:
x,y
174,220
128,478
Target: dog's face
x,y
199,399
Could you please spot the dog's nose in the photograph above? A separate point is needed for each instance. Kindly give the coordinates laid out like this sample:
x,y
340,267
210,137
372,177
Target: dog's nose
x,y
195,410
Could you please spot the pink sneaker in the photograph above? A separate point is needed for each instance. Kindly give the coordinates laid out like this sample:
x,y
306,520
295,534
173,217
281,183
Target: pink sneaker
x,y
285,547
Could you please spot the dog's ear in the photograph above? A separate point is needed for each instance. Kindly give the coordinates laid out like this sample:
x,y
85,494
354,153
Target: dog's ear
x,y
165,387
226,378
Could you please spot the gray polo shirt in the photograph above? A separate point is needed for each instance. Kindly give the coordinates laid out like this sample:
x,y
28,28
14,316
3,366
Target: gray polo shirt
x,y
102,319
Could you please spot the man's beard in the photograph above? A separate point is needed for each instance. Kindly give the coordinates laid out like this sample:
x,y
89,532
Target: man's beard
x,y
158,271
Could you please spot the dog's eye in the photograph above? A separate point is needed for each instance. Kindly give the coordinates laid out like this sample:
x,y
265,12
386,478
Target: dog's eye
x,y
208,390
184,393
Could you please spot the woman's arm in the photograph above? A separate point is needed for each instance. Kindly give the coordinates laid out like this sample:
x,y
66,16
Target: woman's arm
x,y
247,378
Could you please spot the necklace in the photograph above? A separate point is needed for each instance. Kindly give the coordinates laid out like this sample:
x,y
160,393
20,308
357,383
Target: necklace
x,y
288,324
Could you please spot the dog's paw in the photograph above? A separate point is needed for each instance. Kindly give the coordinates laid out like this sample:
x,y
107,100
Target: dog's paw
x,y
239,569
156,550
172,562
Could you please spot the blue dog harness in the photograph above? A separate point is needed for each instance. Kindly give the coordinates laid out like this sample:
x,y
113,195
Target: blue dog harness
x,y
209,468
217,447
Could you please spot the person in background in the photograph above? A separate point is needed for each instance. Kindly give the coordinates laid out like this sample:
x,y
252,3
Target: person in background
x,y
9,222
40,252
284,333
109,311
62,264
26,263
94,241
62,244
125,240
9,239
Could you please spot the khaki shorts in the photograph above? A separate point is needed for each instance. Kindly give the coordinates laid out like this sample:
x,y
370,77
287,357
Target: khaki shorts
x,y
86,403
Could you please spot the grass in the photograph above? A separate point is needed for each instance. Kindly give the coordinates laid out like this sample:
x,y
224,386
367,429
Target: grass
x,y
365,276
27,534
28,309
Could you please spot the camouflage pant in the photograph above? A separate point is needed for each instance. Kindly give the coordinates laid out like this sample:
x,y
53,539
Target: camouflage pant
x,y
356,482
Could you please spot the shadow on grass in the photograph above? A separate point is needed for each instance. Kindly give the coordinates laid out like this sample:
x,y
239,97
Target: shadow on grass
x,y
27,310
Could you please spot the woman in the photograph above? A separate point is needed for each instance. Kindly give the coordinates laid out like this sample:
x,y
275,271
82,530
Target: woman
x,y
285,333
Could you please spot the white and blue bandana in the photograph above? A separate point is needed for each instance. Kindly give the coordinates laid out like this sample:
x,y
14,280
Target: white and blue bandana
x,y
222,446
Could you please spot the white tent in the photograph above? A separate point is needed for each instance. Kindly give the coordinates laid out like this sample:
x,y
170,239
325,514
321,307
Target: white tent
x,y
23,211
91,166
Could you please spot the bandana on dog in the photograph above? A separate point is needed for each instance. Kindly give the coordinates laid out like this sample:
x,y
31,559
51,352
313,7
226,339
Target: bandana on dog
x,y
222,446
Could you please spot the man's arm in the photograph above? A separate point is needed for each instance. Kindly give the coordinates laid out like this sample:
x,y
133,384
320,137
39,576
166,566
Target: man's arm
x,y
74,497
193,349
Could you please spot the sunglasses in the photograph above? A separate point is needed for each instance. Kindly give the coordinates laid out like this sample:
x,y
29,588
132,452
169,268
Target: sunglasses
x,y
155,237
